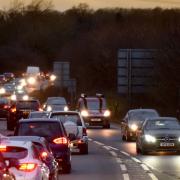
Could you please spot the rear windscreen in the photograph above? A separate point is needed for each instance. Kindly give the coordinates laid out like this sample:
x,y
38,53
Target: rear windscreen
x,y
42,129
68,117
38,115
27,105
12,152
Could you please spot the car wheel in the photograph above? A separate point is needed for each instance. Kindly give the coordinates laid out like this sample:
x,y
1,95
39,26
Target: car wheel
x,y
10,127
144,152
84,149
123,138
66,168
107,126
127,137
138,151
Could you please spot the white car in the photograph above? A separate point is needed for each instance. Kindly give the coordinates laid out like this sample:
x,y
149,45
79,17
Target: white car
x,y
80,142
23,160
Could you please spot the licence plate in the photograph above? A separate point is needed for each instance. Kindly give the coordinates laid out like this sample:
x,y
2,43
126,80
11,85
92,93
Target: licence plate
x,y
75,150
96,119
166,144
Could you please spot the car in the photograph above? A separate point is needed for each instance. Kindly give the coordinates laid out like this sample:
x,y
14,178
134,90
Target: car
x,y
9,76
9,89
5,106
4,172
80,143
54,132
133,119
56,104
94,110
159,134
2,79
23,160
44,150
21,109
38,114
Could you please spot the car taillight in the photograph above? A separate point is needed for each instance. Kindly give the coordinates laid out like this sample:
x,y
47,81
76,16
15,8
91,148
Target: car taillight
x,y
13,110
84,132
6,106
44,154
2,148
61,140
27,167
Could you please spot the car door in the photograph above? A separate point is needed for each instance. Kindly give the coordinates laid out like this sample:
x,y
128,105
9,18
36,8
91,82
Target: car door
x,y
124,124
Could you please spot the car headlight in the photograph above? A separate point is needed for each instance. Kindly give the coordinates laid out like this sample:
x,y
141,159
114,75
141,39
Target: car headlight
x,y
84,113
150,138
66,108
31,80
53,77
179,139
25,97
49,108
13,97
133,127
2,91
107,113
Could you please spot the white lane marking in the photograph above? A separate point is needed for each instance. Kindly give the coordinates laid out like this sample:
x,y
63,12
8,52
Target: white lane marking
x,y
99,143
136,160
106,147
113,148
145,167
89,139
125,153
126,176
119,160
123,167
152,176
113,153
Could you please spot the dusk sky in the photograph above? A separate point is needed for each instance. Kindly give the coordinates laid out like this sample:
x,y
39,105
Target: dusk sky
x,y
66,4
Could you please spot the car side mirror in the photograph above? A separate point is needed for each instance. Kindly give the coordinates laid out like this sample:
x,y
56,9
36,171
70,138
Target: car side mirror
x,y
71,136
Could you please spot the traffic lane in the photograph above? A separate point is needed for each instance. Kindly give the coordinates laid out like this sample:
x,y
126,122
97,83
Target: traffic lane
x,y
169,164
97,165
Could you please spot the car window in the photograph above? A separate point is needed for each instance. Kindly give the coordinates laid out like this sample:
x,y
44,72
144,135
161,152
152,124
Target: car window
x,y
94,104
162,124
68,117
43,129
14,152
142,115
38,115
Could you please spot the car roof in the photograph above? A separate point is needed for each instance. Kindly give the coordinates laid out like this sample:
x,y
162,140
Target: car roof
x,y
8,142
162,118
39,120
39,112
141,110
28,138
64,112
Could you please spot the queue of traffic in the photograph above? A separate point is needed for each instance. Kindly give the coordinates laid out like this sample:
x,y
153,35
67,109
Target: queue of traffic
x,y
45,136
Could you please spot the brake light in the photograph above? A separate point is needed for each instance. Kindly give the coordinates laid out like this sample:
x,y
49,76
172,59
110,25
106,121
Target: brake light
x,y
61,140
2,148
27,167
84,132
6,106
13,110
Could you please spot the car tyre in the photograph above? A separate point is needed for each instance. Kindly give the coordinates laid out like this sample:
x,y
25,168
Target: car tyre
x,y
84,149
66,168
107,126
138,151
10,127
123,138
127,137
144,152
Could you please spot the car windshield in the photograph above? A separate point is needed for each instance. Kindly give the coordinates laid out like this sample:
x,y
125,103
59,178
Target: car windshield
x,y
56,101
95,104
68,117
13,152
142,115
42,129
27,105
162,124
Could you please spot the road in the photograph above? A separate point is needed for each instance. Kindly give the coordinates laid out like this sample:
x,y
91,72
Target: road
x,y
111,159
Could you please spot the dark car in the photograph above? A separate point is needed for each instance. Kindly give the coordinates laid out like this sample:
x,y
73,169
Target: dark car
x,y
54,132
2,79
159,134
133,120
44,150
4,173
9,76
94,110
5,106
21,109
